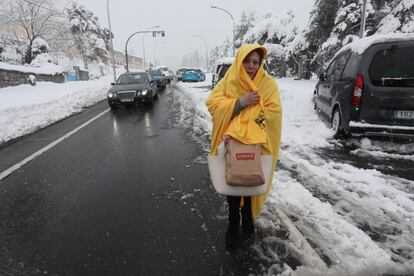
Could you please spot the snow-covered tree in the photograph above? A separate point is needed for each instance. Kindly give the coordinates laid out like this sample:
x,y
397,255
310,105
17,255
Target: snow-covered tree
x,y
91,40
247,21
334,24
223,50
297,53
39,46
276,33
399,18
32,20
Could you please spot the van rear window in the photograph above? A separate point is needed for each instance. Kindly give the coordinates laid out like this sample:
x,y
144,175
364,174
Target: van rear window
x,y
223,70
393,67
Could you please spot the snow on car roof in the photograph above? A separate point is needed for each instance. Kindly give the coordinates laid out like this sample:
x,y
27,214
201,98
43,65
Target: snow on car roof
x,y
359,46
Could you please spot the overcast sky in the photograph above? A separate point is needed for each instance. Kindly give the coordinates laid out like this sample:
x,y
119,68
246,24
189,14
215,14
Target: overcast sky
x,y
181,19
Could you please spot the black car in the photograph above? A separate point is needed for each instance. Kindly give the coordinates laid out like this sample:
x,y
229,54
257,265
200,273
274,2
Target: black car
x,y
132,88
368,88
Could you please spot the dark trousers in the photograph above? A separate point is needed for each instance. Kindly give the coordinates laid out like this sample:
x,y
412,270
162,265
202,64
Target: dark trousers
x,y
234,209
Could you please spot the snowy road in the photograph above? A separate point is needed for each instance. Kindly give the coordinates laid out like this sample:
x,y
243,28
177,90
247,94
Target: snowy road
x,y
352,200
122,196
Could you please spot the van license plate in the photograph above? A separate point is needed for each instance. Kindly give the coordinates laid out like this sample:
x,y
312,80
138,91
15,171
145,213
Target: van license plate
x,y
404,114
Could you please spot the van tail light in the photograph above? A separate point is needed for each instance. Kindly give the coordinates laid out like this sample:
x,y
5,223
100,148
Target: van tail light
x,y
358,89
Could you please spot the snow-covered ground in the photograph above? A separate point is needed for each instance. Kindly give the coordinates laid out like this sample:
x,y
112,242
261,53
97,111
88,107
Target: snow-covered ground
x,y
340,196
346,198
25,108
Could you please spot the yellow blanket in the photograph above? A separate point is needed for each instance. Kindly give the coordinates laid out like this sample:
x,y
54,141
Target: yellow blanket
x,y
258,124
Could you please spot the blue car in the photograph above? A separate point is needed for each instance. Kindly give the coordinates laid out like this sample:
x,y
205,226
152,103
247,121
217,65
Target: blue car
x,y
190,75
194,75
201,75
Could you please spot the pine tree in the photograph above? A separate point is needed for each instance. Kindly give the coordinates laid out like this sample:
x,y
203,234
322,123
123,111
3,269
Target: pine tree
x,y
322,21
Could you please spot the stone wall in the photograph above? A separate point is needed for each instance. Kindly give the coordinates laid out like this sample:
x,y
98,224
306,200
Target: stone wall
x,y
13,78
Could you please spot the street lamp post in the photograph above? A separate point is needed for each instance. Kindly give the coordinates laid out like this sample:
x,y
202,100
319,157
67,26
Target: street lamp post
x,y
154,33
155,48
234,27
205,43
143,44
111,41
362,30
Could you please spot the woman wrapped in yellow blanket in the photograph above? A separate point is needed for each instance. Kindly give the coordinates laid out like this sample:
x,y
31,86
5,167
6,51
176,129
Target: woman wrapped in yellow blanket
x,y
245,105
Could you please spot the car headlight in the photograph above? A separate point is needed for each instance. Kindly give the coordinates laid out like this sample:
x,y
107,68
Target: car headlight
x,y
110,95
138,93
144,92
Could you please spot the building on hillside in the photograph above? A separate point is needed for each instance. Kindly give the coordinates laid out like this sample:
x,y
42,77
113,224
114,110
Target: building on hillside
x,y
133,61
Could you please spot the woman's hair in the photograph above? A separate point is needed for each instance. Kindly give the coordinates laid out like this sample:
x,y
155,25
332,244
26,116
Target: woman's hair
x,y
260,52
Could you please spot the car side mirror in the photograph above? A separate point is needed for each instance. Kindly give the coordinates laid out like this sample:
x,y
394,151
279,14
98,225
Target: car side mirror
x,y
112,83
322,76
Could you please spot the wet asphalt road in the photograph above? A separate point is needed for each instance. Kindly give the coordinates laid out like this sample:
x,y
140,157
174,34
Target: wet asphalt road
x,y
123,196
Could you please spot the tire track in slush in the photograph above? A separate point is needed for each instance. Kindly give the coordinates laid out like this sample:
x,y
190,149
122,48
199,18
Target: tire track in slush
x,y
380,224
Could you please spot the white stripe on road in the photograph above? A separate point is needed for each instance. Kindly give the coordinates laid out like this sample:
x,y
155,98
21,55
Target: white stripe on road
x,y
46,148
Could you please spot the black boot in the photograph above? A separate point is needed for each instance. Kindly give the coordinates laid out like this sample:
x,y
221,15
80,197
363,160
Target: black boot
x,y
232,233
232,236
247,221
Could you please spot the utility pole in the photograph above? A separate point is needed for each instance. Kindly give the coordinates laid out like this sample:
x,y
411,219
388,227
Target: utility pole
x,y
364,7
111,42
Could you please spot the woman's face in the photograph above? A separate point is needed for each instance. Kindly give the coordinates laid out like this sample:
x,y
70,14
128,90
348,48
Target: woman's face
x,y
252,63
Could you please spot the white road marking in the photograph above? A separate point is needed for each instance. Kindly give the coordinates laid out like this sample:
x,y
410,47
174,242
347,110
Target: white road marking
x,y
46,148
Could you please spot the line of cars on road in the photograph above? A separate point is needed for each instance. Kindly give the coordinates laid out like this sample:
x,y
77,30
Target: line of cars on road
x,y
367,89
137,87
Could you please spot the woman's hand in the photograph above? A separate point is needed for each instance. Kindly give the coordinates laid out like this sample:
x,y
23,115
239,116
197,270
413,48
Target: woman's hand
x,y
250,98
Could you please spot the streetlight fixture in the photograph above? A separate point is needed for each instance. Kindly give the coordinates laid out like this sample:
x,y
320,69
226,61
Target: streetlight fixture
x,y
111,44
234,27
205,43
156,46
154,33
143,44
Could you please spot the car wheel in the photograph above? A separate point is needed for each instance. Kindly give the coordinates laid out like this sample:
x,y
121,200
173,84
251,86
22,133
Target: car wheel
x,y
336,125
